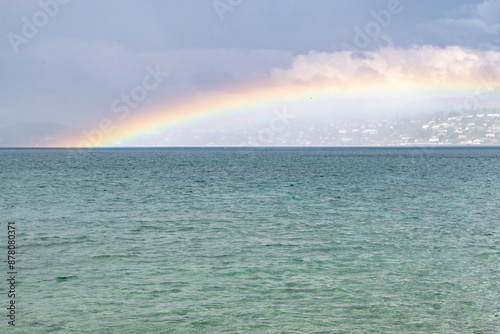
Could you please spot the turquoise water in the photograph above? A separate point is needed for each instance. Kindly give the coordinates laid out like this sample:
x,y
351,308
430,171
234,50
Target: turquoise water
x,y
254,240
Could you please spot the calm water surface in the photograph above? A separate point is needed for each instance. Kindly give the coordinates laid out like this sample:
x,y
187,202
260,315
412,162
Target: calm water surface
x,y
295,240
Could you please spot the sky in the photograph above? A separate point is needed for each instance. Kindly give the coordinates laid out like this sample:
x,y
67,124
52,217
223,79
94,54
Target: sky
x,y
151,65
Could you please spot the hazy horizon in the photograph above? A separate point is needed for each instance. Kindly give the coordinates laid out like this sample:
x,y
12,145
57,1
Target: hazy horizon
x,y
120,74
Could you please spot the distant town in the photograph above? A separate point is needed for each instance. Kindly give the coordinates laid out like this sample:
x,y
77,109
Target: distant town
x,y
441,128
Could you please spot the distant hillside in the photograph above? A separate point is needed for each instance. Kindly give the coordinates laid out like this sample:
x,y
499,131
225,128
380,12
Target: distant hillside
x,y
34,134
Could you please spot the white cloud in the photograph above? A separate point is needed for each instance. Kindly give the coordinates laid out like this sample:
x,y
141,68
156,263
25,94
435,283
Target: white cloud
x,y
397,66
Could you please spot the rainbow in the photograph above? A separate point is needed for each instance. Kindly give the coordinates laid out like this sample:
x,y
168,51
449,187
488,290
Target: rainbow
x,y
246,105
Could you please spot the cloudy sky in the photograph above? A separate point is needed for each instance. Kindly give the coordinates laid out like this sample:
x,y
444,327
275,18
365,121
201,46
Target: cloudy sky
x,y
72,61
